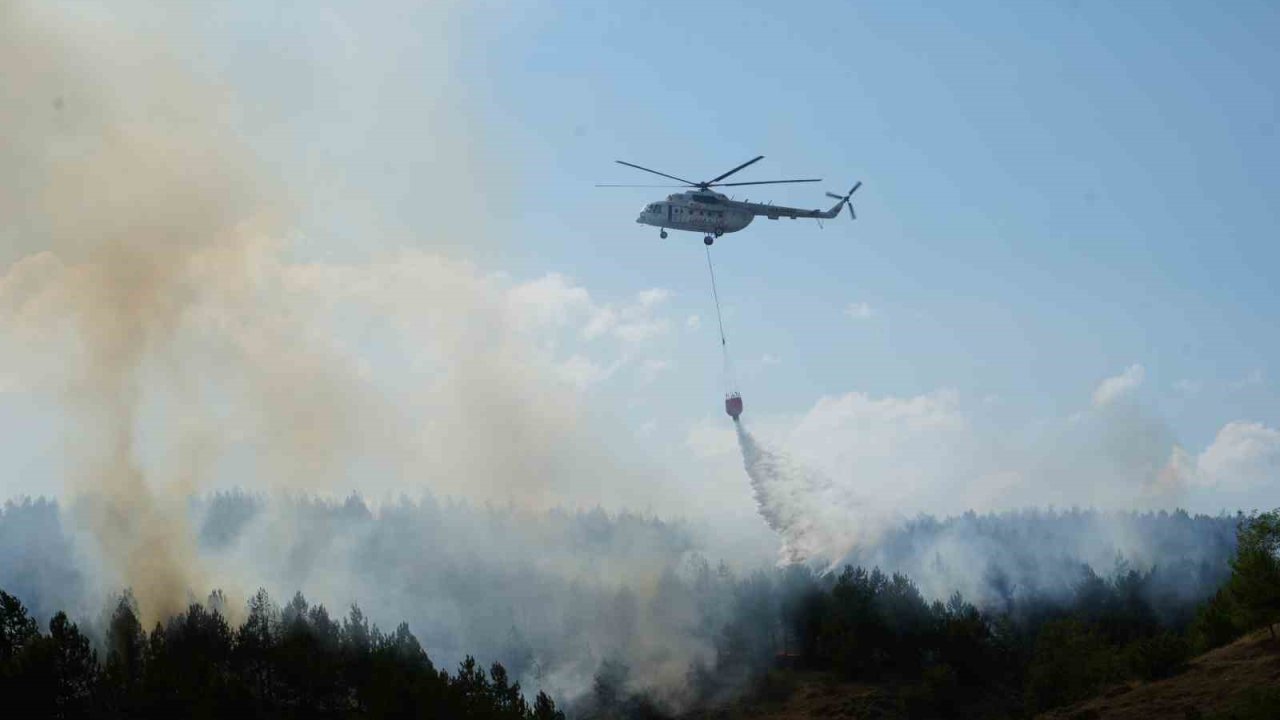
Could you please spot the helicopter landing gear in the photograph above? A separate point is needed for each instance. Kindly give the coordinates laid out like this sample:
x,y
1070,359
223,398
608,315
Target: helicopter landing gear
x,y
708,240
662,234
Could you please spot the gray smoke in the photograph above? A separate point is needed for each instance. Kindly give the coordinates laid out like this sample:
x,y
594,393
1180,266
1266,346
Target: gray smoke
x,y
550,594
553,595
149,296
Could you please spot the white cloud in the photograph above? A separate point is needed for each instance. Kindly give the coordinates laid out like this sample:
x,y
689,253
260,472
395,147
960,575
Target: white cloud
x,y
1187,386
859,310
549,300
653,296
554,301
894,453
582,372
768,359
1113,388
641,329
1243,455
693,322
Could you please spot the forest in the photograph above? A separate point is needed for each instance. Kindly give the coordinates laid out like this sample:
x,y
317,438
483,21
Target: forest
x,y
290,662
953,659
1036,634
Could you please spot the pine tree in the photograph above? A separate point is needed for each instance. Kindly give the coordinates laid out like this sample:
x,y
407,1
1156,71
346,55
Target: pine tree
x,y
1255,580
16,627
75,667
545,709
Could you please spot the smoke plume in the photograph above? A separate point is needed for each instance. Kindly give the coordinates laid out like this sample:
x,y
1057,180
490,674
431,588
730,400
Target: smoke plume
x,y
150,286
134,209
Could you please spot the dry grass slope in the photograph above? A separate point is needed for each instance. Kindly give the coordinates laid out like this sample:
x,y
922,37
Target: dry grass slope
x,y
811,695
1210,688
1211,684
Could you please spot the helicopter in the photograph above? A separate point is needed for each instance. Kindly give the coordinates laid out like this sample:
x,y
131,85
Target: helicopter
x,y
714,214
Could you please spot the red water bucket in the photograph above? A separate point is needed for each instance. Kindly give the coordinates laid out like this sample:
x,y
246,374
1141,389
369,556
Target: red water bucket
x,y
733,405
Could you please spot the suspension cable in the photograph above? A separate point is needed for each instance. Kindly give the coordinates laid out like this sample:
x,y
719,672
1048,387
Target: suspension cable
x,y
730,382
716,295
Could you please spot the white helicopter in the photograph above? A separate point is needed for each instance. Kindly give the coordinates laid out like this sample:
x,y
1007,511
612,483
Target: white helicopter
x,y
714,214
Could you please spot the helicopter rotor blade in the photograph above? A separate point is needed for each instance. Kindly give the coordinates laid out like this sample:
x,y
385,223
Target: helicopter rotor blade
x,y
637,186
716,180
655,172
766,182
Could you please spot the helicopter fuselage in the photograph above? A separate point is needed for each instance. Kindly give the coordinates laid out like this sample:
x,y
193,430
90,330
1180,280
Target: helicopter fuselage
x,y
703,212
712,213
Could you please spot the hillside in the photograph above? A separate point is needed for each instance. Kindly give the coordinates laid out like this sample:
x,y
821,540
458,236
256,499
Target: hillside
x,y
803,695
1218,684
1212,685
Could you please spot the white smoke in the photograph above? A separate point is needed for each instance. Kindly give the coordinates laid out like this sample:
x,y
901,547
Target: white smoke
x,y
154,290
856,466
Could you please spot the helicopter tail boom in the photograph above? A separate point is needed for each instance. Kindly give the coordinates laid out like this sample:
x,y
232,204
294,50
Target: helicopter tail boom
x,y
835,209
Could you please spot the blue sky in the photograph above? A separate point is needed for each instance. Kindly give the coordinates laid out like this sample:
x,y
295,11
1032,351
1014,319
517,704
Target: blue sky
x,y
1053,192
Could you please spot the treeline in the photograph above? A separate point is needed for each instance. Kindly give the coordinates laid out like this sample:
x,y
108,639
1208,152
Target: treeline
x,y
953,659
621,615
290,662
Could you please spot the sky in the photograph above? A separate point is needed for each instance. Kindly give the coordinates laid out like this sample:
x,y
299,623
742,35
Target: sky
x,y
1066,207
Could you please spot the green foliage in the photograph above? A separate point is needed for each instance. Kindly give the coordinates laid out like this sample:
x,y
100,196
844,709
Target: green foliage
x,y
1072,661
1158,656
58,671
1029,653
1216,623
936,695
1255,571
75,667
290,663
871,625
16,627
544,709
965,642
1251,596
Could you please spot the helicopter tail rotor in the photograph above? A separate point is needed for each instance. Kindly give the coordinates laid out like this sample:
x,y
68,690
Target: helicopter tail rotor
x,y
845,199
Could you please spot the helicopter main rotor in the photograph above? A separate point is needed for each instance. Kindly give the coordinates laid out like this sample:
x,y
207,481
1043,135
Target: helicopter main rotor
x,y
714,182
